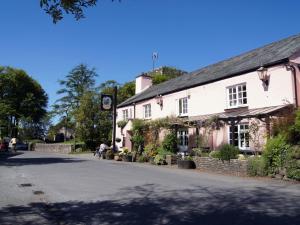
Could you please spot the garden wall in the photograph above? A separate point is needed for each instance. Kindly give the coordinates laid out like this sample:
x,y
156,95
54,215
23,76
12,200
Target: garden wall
x,y
54,148
234,166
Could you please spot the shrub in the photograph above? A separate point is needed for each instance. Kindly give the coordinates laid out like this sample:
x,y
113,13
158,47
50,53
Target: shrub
x,y
256,166
164,152
138,140
241,157
275,153
228,152
169,143
143,158
214,154
159,160
122,123
151,150
109,154
293,163
196,152
90,145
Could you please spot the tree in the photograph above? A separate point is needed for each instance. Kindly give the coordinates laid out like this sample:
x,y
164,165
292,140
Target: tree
x,y
164,74
21,98
56,8
94,126
126,91
79,80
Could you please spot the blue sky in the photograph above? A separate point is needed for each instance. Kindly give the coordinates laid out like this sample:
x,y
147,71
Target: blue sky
x,y
118,38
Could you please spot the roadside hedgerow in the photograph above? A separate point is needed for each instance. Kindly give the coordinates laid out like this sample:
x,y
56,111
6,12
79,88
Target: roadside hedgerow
x,y
275,154
256,166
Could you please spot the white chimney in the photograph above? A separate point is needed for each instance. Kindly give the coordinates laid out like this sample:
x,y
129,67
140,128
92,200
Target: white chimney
x,y
142,82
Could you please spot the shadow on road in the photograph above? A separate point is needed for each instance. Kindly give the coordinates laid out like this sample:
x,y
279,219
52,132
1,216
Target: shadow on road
x,y
11,161
150,204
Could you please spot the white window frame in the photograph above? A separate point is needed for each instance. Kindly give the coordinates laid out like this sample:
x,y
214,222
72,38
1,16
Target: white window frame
x,y
125,114
147,111
241,131
183,140
237,96
183,106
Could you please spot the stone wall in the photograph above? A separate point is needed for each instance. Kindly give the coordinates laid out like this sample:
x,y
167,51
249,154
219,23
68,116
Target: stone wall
x,y
234,166
54,148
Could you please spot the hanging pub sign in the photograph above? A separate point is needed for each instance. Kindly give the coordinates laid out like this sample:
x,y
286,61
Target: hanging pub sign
x,y
106,102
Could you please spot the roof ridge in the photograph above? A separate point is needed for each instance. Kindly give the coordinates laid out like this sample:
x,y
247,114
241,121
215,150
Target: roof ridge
x,y
267,54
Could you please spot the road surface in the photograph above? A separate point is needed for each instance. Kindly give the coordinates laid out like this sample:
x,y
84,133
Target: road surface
x,y
41,188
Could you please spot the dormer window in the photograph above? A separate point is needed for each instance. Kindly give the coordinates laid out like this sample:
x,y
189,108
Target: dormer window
x,y
237,96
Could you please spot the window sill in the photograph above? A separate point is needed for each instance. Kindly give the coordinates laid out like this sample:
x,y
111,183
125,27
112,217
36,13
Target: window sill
x,y
183,115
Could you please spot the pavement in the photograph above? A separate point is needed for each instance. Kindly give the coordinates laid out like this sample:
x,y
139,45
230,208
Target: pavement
x,y
44,188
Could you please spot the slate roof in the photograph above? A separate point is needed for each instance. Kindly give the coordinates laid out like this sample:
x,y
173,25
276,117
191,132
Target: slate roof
x,y
267,55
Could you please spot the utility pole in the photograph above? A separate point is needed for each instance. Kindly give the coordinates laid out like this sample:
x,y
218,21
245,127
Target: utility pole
x,y
115,100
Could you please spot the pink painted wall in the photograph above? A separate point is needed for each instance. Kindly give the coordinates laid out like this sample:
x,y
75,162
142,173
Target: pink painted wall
x,y
212,98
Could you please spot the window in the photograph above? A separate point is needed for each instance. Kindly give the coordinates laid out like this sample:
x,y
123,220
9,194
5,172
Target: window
x,y
183,106
125,114
239,136
147,111
237,95
183,138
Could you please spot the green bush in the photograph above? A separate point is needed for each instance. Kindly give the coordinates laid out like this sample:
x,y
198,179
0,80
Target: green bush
x,y
196,152
214,154
293,163
143,158
227,152
256,166
151,150
164,152
275,154
90,145
159,160
169,143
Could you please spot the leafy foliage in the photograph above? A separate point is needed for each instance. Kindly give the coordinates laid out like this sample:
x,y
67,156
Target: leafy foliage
x,y
79,80
293,163
288,126
227,152
21,99
159,160
56,8
256,166
169,143
275,153
164,74
93,126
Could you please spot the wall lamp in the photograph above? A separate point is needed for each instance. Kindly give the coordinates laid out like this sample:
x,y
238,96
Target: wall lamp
x,y
263,75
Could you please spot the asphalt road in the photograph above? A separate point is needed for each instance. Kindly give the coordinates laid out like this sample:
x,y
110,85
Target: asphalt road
x,y
39,188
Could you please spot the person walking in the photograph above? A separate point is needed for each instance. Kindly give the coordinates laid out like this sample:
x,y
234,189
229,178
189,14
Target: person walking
x,y
102,149
14,143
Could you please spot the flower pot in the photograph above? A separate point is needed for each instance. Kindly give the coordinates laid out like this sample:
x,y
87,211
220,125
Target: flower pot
x,y
117,158
127,158
186,164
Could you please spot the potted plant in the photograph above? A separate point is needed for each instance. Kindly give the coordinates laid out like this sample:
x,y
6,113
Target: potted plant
x,y
117,157
186,163
109,154
126,155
